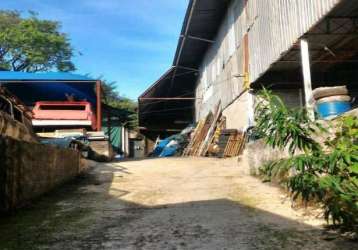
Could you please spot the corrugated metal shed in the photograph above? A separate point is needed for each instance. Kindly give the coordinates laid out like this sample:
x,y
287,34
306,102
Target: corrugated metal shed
x,y
258,37
32,87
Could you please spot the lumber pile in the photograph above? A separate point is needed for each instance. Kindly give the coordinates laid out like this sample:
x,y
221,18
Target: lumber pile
x,y
211,138
193,149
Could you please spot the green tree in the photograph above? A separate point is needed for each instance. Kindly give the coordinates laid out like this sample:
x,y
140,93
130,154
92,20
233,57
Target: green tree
x,y
32,45
115,100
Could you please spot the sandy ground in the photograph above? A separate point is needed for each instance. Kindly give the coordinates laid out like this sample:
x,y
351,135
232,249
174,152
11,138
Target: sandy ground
x,y
174,203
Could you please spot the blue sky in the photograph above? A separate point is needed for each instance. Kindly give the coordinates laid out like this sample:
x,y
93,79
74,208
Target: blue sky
x,y
131,42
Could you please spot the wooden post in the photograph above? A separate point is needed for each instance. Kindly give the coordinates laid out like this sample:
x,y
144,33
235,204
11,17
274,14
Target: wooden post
x,y
99,105
250,109
246,62
306,70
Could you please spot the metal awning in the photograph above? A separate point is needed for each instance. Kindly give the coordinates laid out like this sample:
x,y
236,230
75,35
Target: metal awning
x,y
53,86
333,47
168,103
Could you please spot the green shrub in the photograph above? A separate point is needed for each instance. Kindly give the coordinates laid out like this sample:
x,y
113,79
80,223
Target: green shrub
x,y
326,173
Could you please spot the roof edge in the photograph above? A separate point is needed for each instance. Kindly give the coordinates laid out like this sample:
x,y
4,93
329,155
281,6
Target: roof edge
x,y
183,29
156,82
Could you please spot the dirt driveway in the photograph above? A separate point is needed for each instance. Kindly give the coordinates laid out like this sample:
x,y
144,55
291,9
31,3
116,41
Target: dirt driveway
x,y
175,203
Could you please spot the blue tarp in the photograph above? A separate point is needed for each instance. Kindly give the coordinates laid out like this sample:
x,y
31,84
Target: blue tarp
x,y
169,150
172,145
159,148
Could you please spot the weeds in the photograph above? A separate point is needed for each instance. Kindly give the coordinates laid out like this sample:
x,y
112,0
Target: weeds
x,y
326,172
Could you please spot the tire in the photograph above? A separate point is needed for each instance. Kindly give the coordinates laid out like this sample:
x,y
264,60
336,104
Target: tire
x,y
337,98
329,91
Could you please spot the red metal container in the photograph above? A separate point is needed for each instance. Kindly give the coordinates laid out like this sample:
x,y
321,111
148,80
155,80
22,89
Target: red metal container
x,y
64,114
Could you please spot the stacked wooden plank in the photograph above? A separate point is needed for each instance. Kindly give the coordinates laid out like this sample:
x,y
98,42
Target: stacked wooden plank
x,y
211,138
223,141
200,133
203,134
205,145
235,143
214,147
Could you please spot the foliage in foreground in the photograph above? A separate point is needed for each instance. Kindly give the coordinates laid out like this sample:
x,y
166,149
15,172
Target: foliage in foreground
x,y
32,45
326,172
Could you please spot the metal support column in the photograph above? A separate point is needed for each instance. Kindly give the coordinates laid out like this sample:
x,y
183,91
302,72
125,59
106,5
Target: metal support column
x,y
306,70
99,105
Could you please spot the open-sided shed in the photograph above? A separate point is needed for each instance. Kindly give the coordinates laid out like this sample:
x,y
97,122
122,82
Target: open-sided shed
x,y
33,87
168,105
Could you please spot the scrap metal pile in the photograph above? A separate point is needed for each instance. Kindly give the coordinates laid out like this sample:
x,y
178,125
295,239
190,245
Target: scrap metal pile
x,y
15,118
211,138
93,145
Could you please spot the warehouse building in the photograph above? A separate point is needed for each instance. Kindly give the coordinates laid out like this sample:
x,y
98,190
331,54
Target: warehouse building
x,y
228,50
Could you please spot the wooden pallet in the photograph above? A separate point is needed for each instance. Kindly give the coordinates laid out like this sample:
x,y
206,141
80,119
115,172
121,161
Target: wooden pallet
x,y
235,145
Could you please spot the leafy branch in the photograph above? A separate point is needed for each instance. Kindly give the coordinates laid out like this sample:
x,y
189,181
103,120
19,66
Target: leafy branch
x,y
326,173
32,45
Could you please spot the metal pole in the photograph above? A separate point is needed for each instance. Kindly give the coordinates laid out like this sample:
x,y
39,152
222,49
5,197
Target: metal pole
x,y
99,106
306,71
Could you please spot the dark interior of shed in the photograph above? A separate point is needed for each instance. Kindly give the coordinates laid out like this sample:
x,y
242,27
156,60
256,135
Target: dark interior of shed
x,y
333,47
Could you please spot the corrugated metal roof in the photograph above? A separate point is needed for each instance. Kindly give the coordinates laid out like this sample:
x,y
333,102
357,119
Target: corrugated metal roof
x,y
202,20
49,76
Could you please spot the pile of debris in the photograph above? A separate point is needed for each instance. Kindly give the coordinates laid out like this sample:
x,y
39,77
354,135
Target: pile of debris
x,y
15,118
93,145
173,145
211,138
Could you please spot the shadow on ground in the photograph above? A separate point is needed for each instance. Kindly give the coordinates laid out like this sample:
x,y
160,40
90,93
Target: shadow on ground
x,y
84,215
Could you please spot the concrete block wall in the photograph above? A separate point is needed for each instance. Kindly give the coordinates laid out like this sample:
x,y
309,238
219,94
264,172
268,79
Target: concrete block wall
x,y
28,170
257,154
14,129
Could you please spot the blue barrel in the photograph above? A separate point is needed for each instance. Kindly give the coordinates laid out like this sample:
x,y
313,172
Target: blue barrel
x,y
333,108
